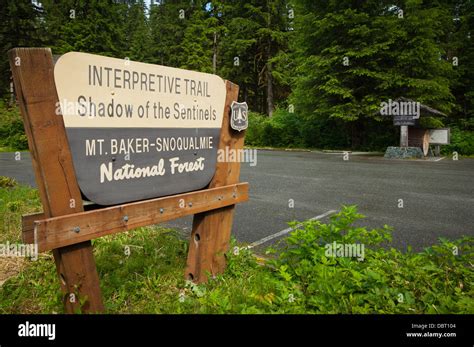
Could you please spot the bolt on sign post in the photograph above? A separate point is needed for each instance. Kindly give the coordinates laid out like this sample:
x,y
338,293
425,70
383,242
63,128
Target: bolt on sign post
x,y
140,142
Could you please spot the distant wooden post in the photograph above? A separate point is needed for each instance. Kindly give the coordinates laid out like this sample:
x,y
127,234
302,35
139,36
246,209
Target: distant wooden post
x,y
211,230
32,70
404,136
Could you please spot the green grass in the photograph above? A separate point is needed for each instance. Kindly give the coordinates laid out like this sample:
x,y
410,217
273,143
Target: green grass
x,y
149,280
297,279
15,201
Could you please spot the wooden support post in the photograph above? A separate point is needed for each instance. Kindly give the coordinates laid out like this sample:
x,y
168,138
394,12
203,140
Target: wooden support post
x,y
404,136
211,230
35,88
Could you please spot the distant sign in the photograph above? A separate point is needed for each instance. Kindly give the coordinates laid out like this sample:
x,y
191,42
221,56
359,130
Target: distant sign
x,y
136,130
404,120
440,136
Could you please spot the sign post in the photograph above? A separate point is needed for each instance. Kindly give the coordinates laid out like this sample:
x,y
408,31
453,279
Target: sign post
x,y
404,136
32,70
151,167
211,230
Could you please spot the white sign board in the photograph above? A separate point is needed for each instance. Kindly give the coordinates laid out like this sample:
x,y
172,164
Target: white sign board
x,y
138,131
440,136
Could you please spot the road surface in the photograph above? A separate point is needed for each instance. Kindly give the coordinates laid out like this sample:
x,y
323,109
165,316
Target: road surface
x,y
438,197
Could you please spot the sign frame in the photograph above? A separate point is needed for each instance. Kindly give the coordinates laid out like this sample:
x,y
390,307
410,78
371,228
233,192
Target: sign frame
x,y
448,130
137,138
62,226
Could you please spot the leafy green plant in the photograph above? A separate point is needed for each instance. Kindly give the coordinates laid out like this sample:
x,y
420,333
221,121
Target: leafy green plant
x,y
462,141
438,280
12,133
142,271
291,130
282,130
7,182
431,122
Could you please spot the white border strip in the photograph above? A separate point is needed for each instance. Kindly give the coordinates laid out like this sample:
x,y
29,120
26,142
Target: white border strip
x,y
287,230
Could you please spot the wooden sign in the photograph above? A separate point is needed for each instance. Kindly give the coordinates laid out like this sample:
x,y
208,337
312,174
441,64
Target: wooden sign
x,y
439,136
138,131
404,120
70,146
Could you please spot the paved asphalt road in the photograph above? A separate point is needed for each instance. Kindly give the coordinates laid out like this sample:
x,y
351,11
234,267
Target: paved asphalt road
x,y
438,197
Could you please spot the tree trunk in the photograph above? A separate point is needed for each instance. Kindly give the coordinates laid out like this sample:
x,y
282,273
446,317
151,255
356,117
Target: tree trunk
x,y
214,56
270,105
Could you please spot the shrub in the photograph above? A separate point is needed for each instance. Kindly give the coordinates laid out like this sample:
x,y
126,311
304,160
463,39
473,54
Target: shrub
x,y
301,278
289,130
7,182
431,122
254,134
438,280
17,142
12,133
462,141
282,130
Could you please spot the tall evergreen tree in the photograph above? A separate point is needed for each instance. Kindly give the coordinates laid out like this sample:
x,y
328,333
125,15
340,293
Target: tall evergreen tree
x,y
460,52
197,45
21,27
138,43
87,26
256,33
351,55
168,21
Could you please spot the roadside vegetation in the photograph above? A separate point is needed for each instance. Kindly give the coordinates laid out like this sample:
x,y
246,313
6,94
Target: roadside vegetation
x,y
296,276
289,130
313,72
283,130
12,132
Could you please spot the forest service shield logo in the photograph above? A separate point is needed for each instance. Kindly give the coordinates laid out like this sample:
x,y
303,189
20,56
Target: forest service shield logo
x,y
239,116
